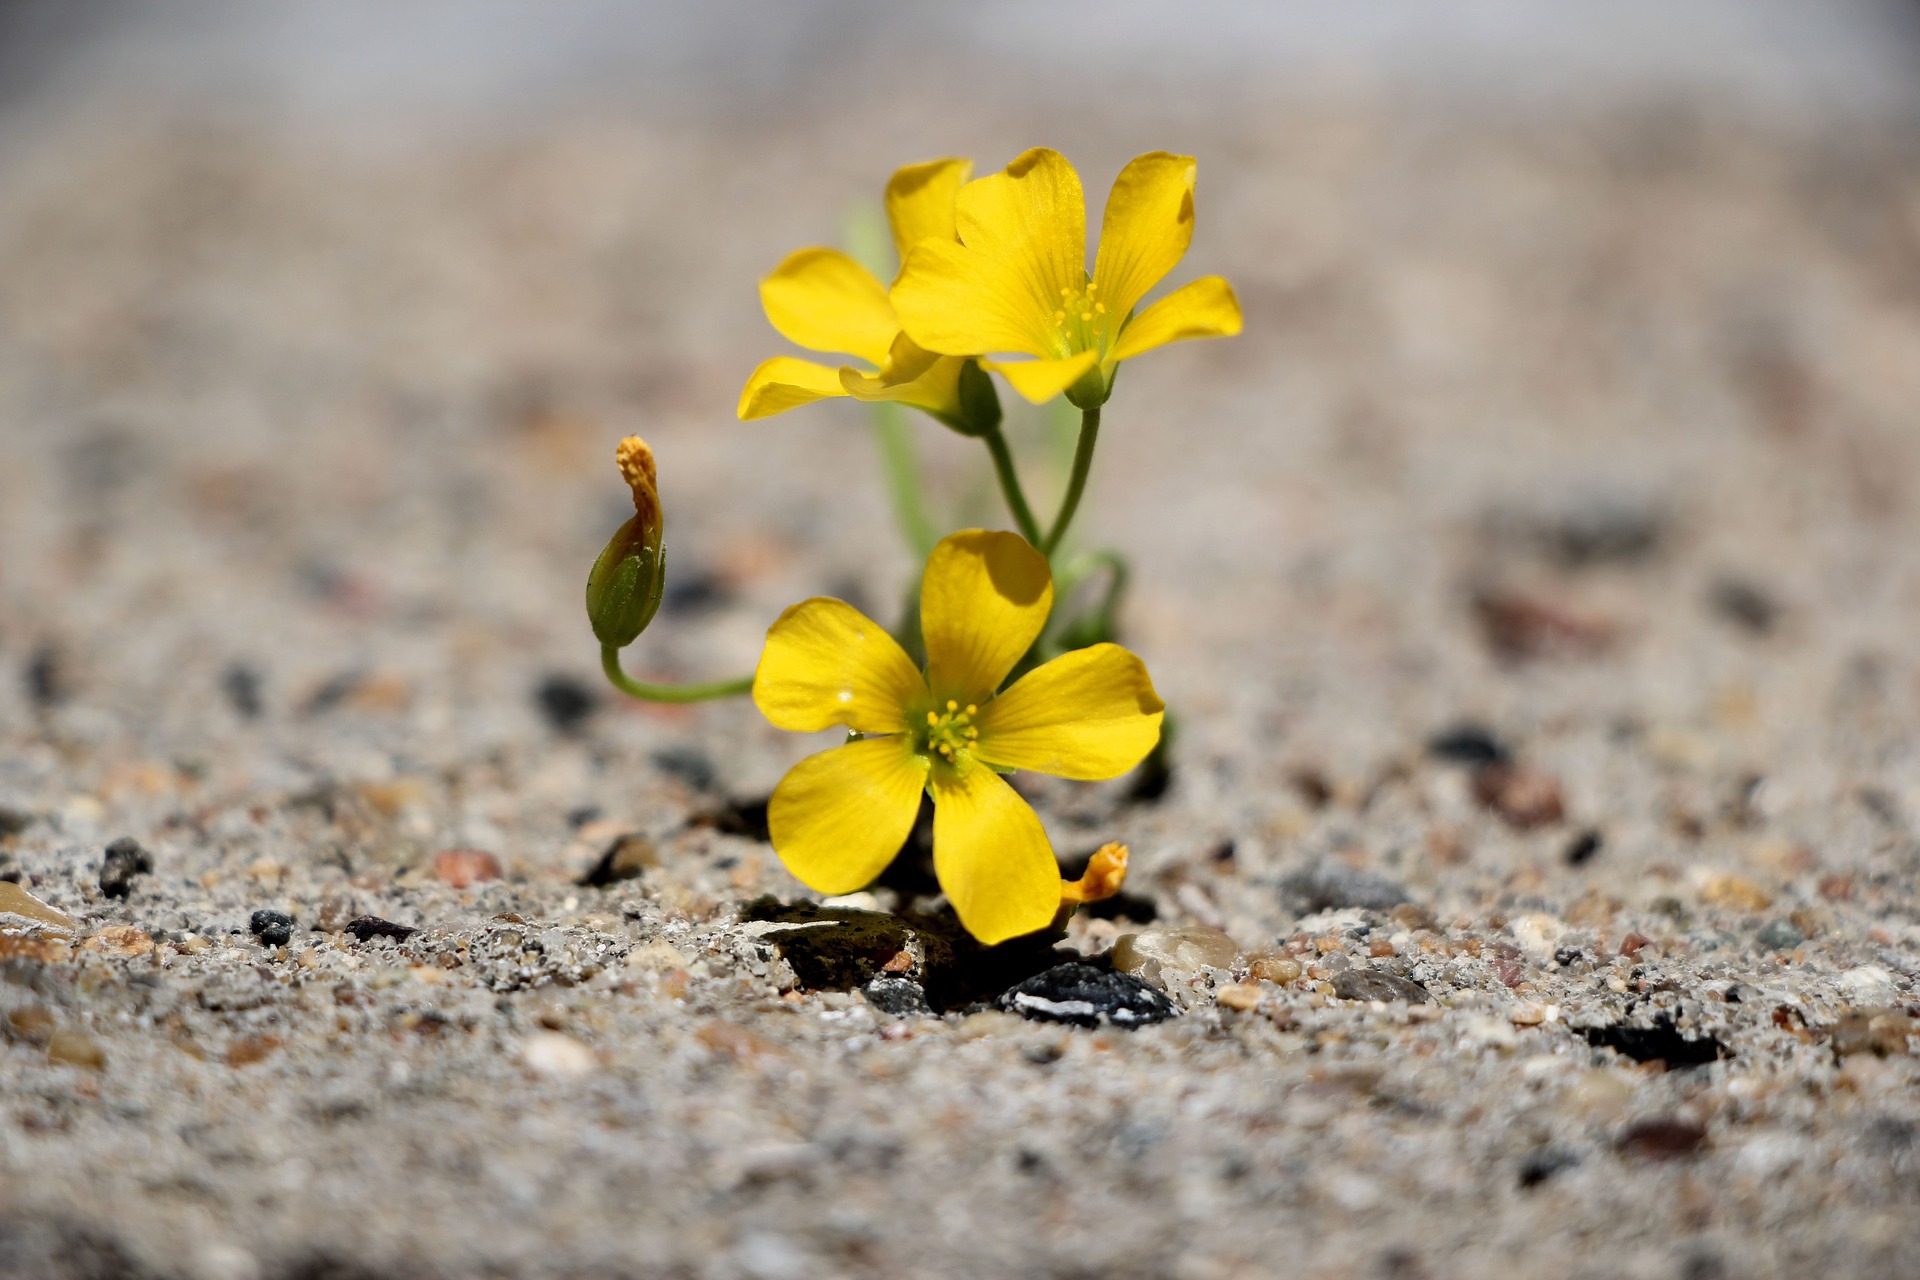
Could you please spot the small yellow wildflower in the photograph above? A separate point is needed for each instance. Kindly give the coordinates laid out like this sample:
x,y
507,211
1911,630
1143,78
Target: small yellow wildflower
x,y
823,300
839,817
1016,278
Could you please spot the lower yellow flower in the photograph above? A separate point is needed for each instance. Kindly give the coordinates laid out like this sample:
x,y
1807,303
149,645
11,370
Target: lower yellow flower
x,y
839,817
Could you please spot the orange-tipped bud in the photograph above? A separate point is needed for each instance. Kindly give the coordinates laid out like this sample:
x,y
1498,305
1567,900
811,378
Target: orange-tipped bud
x,y
627,581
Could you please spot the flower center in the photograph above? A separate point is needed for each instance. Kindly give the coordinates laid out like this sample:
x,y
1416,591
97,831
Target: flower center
x,y
1081,319
951,731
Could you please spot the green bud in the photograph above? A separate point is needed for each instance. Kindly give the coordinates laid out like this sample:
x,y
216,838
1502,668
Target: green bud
x,y
979,402
624,588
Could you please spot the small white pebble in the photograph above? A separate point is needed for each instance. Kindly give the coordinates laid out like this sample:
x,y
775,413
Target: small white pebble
x,y
558,1056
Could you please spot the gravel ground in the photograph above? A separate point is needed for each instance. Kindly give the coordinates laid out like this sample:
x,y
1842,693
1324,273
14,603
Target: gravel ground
x,y
1535,891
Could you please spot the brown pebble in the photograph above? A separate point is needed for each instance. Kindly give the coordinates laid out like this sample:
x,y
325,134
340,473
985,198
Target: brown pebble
x,y
1662,1138
1240,996
1836,888
1591,909
1192,947
460,868
1632,944
626,858
252,1049
1737,892
119,940
1379,948
33,1023
335,912
1526,798
1412,917
76,1049
1276,969
1882,1032
1519,626
39,950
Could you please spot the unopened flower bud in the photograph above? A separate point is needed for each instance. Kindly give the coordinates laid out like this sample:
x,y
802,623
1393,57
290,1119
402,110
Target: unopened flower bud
x,y
625,586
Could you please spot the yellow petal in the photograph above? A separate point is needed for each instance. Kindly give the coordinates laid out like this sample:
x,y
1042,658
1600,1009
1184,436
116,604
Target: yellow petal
x,y
839,817
991,855
920,201
823,300
982,604
1204,309
1088,714
1024,241
1042,380
911,375
786,382
1148,225
827,664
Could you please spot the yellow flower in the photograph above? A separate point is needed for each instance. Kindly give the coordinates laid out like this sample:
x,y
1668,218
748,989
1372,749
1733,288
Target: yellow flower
x,y
839,817
823,300
1016,279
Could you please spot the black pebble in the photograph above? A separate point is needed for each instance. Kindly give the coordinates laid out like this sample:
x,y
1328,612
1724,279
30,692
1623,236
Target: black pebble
x,y
13,821
695,591
900,997
1084,996
367,927
1744,603
46,677
124,860
691,765
1582,848
1468,744
273,928
566,701
1544,1163
241,684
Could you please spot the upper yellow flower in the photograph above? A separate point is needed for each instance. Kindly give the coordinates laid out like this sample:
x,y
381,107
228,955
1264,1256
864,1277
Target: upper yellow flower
x,y
823,300
839,817
1016,278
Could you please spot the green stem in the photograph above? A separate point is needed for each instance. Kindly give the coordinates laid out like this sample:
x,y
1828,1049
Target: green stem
x,y
711,689
1077,482
1010,484
902,464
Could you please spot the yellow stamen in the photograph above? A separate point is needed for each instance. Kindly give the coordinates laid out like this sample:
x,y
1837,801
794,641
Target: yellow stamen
x,y
1106,872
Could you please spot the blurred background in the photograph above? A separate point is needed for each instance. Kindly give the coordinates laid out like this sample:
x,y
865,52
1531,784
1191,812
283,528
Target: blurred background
x,y
1582,356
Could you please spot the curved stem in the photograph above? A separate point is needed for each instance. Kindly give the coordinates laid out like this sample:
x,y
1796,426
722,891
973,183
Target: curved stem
x,y
1077,482
706,692
1010,484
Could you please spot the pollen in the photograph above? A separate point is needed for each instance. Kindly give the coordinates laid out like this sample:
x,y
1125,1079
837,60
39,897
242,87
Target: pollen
x,y
951,732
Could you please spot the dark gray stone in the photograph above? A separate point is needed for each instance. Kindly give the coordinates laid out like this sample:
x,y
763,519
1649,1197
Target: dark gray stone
x,y
900,997
1371,984
273,928
1326,886
125,860
1084,996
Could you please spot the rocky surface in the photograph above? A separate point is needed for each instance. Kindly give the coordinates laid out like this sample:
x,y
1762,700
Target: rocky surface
x,y
1534,584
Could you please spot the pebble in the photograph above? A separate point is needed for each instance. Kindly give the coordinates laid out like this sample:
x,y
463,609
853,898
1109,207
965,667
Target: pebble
x,y
459,868
1583,848
900,997
627,858
1327,886
1882,1032
558,1057
1662,1138
1276,969
1530,1014
367,928
23,907
1243,996
1867,984
1600,1094
658,956
1519,626
33,1023
1779,935
273,928
1488,1032
1084,996
1525,797
1193,947
567,702
76,1049
1539,936
1468,744
119,940
1371,984
123,861
1737,892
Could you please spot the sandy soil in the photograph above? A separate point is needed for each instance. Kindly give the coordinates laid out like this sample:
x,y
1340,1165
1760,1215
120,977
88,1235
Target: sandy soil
x,y
1583,444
